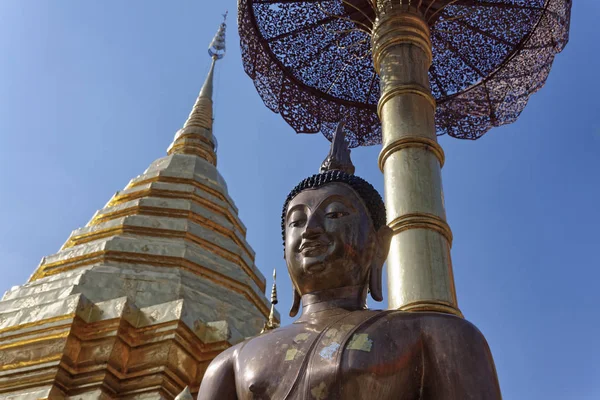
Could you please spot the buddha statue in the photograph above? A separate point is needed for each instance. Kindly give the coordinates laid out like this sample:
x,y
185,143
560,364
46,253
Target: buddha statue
x,y
336,242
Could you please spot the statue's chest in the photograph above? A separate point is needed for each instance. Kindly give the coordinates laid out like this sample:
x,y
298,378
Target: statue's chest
x,y
340,363
270,368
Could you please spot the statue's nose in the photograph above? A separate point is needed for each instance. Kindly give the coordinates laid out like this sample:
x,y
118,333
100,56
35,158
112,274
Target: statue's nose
x,y
314,227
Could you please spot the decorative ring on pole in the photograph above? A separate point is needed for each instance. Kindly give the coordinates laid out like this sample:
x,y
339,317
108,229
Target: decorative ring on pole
x,y
391,30
438,305
422,221
414,142
404,89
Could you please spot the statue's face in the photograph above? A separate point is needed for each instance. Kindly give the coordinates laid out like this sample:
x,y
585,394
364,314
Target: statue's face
x,y
329,239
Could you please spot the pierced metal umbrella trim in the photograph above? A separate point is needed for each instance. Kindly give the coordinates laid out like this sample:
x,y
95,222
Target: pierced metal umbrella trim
x,y
311,61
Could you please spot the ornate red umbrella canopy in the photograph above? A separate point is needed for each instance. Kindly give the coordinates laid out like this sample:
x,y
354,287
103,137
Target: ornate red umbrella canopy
x,y
310,61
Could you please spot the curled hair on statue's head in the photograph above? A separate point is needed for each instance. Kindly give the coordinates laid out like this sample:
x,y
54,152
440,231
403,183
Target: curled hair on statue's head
x,y
365,191
338,168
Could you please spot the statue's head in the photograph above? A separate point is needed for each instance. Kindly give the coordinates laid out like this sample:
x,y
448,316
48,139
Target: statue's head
x,y
334,229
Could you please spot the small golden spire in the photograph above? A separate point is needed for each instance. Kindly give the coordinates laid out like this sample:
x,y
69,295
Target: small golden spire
x,y
272,323
196,135
200,115
274,289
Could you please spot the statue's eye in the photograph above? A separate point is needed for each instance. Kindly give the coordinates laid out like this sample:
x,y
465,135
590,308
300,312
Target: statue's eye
x,y
336,214
296,219
296,223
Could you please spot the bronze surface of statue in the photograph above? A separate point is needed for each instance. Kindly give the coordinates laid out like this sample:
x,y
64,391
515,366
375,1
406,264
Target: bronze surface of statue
x,y
336,243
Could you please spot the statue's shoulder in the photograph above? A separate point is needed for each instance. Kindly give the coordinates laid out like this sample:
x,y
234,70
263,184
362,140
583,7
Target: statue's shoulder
x,y
429,324
438,325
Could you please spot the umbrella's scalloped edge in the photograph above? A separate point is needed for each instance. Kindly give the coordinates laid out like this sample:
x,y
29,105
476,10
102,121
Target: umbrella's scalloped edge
x,y
497,100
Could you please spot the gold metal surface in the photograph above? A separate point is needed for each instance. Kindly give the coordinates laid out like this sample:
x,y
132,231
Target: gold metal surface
x,y
188,147
201,115
33,340
174,194
397,28
170,213
416,142
420,274
197,137
112,356
37,323
422,221
157,232
30,363
122,348
443,307
184,181
399,90
153,260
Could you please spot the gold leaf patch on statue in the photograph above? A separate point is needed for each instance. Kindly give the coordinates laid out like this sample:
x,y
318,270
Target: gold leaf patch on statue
x,y
360,341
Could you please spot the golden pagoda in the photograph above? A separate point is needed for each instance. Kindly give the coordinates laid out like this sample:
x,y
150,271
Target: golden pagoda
x,y
138,302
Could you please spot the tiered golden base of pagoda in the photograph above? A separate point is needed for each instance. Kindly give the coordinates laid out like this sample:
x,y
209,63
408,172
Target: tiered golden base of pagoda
x,y
137,303
81,350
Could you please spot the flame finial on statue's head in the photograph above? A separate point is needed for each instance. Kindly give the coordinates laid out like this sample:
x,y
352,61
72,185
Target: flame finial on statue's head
x,y
339,154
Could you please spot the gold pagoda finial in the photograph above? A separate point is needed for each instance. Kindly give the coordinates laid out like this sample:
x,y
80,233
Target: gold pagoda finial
x,y
216,49
200,114
272,323
196,135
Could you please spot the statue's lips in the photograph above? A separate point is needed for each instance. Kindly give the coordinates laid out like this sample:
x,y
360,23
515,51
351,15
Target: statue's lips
x,y
313,249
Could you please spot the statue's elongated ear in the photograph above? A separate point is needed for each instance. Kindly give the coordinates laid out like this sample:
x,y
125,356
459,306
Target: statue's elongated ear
x,y
384,238
295,303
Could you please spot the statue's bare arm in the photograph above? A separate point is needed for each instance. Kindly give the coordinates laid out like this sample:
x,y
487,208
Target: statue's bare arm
x,y
458,363
219,379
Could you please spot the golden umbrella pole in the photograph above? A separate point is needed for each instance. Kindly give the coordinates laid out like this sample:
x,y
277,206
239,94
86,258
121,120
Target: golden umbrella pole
x,y
420,276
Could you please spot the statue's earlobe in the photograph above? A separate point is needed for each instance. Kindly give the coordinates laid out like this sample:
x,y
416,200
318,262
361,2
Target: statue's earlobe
x,y
295,303
375,285
384,238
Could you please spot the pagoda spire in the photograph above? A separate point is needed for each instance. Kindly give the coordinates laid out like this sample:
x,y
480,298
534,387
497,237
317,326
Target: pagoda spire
x,y
139,301
196,135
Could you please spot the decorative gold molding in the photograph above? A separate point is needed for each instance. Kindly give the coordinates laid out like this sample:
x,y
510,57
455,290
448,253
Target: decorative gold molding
x,y
433,305
422,221
33,340
195,136
171,213
201,115
188,147
24,364
174,194
38,323
398,90
157,261
399,27
115,357
165,233
184,181
412,142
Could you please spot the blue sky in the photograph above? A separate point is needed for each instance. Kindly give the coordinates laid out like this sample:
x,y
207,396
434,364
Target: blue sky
x,y
92,92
